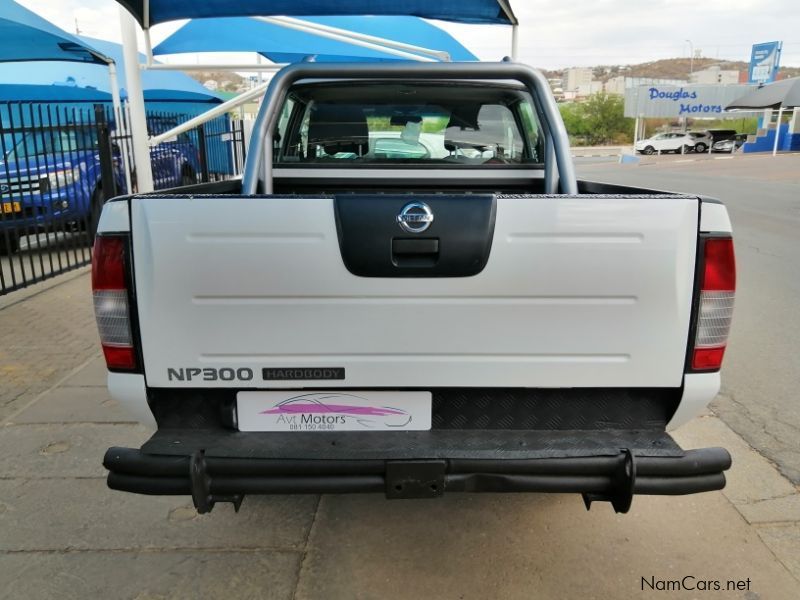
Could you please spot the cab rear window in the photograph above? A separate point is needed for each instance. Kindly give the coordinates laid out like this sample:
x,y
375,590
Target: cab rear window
x,y
424,124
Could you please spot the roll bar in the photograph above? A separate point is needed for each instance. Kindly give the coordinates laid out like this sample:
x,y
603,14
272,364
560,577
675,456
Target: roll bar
x,y
259,156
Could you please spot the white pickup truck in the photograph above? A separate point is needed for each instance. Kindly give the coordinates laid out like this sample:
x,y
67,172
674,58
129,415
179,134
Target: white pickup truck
x,y
410,292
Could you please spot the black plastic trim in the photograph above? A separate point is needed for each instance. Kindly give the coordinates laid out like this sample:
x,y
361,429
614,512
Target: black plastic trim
x,y
463,227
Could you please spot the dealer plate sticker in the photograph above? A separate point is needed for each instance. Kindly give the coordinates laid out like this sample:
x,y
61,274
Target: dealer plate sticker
x,y
334,411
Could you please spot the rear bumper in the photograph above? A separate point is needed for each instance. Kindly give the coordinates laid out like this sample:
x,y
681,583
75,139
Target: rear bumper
x,y
214,466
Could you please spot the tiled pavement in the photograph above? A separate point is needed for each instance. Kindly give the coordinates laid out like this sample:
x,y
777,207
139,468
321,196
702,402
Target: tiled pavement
x,y
64,535
45,332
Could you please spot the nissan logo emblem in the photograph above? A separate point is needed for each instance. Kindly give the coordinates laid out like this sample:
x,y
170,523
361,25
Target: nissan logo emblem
x,y
415,217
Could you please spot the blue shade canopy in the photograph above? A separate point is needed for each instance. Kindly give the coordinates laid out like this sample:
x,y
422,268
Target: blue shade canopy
x,y
157,85
462,11
281,44
28,37
58,81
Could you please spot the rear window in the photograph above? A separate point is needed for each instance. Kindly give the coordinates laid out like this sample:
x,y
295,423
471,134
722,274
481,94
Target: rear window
x,y
421,124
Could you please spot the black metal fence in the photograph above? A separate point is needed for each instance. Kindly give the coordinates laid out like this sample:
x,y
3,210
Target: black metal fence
x,y
60,163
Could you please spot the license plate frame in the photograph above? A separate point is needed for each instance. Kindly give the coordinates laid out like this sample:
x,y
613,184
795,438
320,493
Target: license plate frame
x,y
332,411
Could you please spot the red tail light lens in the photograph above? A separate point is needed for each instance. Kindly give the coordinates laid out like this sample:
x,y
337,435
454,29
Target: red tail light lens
x,y
719,270
111,309
717,293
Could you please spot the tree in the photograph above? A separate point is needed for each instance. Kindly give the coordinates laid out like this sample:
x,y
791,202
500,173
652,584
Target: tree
x,y
599,120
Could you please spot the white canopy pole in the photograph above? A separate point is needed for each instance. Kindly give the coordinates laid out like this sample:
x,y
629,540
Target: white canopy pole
x,y
133,77
777,130
266,68
352,37
514,42
219,109
355,39
119,119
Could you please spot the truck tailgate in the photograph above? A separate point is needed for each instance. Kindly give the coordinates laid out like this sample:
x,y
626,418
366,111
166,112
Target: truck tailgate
x,y
577,291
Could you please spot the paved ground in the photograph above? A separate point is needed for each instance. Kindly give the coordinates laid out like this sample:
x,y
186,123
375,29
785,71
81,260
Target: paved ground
x,y
44,335
64,535
761,375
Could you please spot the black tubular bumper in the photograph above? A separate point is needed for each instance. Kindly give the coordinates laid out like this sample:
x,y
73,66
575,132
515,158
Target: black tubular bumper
x,y
611,466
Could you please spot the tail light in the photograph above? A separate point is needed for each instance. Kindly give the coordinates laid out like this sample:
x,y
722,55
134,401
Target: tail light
x,y
111,307
717,291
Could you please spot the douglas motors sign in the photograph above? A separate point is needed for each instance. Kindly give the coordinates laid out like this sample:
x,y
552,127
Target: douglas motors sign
x,y
681,101
688,101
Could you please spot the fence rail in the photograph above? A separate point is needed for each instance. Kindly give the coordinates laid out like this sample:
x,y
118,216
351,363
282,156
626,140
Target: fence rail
x,y
60,163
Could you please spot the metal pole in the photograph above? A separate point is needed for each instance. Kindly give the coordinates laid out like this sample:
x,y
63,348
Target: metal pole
x,y
267,68
119,119
141,149
635,132
691,59
348,37
515,42
777,131
259,155
355,38
219,109
148,48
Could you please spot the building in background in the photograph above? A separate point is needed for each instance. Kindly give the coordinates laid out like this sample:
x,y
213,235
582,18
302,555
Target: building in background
x,y
617,85
585,90
714,75
575,77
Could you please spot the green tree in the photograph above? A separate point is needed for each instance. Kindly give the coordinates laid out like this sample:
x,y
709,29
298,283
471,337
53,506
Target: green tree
x,y
599,120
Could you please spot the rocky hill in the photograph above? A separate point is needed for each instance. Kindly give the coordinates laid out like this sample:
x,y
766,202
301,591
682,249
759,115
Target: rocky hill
x,y
227,81
671,68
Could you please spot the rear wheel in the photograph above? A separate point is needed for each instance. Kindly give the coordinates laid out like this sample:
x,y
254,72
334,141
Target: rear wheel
x,y
700,147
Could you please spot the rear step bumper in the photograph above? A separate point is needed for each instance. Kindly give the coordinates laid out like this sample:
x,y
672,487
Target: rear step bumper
x,y
223,466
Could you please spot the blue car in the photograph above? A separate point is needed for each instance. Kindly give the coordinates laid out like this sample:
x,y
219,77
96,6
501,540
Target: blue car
x,y
50,179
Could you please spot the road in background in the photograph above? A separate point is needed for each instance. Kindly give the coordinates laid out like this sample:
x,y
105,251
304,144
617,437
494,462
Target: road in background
x,y
761,374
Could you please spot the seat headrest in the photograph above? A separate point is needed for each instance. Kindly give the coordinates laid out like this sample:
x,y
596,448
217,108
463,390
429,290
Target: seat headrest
x,y
338,128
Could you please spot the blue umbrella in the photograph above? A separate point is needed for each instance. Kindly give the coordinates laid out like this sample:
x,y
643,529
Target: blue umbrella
x,y
283,45
28,37
56,81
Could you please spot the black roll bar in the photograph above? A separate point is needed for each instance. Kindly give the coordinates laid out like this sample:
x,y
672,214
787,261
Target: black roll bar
x,y
259,156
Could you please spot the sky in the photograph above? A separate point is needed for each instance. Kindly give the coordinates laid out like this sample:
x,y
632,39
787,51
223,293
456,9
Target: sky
x,y
555,34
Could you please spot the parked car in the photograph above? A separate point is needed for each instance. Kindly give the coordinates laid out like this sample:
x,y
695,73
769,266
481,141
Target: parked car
x,y
702,140
731,144
706,139
666,142
721,134
463,315
50,178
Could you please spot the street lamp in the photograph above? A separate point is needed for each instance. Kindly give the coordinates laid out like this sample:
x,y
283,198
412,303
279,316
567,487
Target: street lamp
x,y
691,57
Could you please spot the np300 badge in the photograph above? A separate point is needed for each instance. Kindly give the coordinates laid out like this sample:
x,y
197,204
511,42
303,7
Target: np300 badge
x,y
415,217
